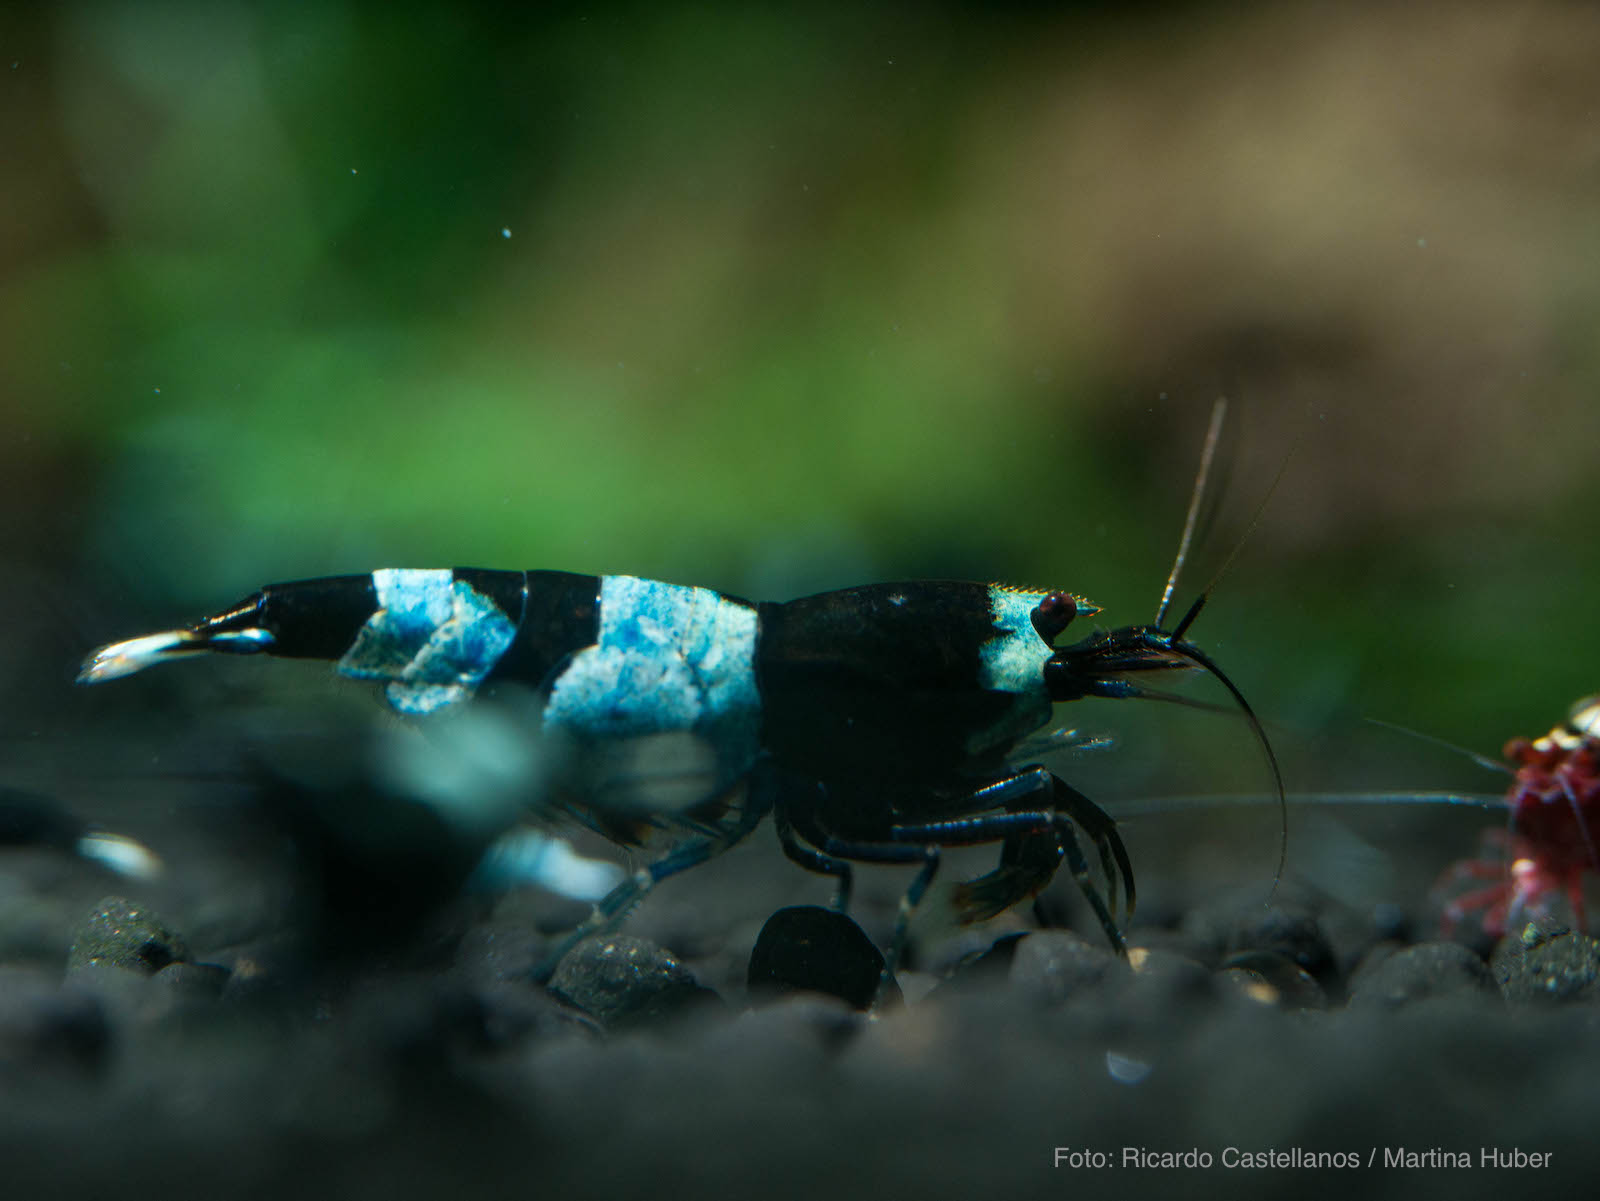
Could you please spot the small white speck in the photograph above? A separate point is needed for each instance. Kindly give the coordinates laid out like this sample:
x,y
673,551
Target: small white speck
x,y
1422,243
1163,396
352,170
504,232
157,391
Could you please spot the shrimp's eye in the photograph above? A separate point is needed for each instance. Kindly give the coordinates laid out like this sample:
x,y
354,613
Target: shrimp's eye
x,y
1584,719
1053,614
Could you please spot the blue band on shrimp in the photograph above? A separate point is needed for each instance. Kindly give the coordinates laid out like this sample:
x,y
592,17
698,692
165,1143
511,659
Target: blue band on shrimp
x,y
1013,660
668,658
433,639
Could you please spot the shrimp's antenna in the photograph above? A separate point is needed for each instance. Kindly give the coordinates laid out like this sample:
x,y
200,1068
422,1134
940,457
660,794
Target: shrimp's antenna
x,y
1200,659
1255,520
1207,456
1159,806
1481,760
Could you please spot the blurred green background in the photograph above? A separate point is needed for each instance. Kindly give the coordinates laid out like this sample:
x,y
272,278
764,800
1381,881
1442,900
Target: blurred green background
x,y
776,299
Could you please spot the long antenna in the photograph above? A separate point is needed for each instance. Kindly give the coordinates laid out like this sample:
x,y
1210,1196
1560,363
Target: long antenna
x,y
1255,520
1154,806
1202,660
1481,760
1186,650
1218,411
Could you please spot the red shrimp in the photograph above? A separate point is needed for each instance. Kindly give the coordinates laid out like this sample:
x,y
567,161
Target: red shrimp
x,y
1554,793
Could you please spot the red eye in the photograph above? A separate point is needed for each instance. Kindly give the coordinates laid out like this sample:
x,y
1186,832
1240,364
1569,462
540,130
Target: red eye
x,y
1053,614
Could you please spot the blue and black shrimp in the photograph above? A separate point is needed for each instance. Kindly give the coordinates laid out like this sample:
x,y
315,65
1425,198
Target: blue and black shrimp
x,y
877,724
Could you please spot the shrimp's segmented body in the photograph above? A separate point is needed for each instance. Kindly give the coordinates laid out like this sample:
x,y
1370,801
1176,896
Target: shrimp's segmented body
x,y
877,724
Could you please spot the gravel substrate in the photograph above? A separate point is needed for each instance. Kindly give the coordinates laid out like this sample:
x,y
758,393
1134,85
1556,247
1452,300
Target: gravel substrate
x,y
251,1025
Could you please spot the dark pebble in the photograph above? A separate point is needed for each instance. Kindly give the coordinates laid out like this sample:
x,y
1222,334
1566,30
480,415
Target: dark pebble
x,y
1393,978
806,948
1049,967
622,981
124,935
1545,965
1268,978
982,969
960,951
1290,931
192,982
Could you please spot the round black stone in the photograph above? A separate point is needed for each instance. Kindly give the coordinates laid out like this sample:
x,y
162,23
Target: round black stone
x,y
806,948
